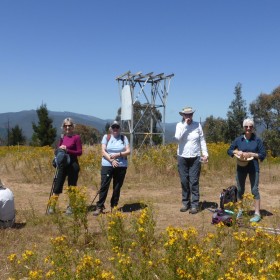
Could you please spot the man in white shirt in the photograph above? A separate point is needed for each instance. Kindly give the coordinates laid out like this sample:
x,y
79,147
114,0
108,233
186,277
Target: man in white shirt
x,y
7,207
192,150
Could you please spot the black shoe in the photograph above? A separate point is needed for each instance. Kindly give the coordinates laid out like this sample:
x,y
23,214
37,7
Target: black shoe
x,y
184,208
193,210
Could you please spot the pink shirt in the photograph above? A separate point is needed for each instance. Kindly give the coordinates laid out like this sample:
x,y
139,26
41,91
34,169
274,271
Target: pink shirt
x,y
73,144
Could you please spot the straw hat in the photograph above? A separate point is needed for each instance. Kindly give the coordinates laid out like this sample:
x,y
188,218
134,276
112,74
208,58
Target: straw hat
x,y
187,110
242,161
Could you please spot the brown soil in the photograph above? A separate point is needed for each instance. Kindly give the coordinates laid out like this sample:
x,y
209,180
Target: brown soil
x,y
162,192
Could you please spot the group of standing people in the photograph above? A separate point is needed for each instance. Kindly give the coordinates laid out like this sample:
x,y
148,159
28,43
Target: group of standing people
x,y
191,153
115,149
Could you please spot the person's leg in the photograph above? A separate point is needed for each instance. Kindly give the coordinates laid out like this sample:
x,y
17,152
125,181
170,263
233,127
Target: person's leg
x,y
194,173
240,183
254,180
183,170
106,177
73,173
59,180
118,179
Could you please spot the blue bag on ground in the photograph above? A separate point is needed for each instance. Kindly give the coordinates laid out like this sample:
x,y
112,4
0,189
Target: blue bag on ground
x,y
61,158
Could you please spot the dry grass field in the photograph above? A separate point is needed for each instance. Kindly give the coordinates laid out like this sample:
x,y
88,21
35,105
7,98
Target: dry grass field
x,y
151,182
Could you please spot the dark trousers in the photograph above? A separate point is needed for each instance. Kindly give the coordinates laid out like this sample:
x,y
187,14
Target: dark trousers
x,y
254,181
71,171
107,174
189,172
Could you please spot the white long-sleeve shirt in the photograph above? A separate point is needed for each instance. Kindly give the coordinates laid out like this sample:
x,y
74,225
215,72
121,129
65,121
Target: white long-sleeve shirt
x,y
191,142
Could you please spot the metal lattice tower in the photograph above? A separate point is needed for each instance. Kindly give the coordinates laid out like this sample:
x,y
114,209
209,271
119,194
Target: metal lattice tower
x,y
148,95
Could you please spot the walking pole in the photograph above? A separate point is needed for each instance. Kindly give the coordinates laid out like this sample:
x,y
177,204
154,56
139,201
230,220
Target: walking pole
x,y
91,205
51,192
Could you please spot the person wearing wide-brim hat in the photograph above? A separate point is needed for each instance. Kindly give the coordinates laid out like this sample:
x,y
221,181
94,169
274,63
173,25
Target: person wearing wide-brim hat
x,y
248,150
192,150
7,207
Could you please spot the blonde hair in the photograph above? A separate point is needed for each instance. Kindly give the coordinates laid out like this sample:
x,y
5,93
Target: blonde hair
x,y
67,120
248,122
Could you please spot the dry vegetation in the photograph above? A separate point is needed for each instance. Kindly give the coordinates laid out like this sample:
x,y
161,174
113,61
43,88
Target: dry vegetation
x,y
140,242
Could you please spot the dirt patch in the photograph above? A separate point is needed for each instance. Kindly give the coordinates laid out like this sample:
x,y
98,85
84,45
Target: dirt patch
x,y
162,192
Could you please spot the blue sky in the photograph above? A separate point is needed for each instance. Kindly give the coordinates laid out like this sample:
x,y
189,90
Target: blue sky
x,y
67,53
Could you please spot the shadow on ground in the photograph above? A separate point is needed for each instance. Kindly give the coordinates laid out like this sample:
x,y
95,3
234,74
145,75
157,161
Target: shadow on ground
x,y
125,208
207,204
263,213
132,207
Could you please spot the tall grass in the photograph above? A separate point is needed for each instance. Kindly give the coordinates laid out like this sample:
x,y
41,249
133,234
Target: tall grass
x,y
128,245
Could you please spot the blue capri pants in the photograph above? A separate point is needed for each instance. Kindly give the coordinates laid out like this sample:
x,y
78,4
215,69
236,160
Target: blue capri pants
x,y
254,181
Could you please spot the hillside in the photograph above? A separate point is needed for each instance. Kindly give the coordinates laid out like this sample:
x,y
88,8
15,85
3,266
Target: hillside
x,y
24,120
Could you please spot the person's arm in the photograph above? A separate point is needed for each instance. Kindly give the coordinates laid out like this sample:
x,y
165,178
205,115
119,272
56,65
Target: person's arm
x,y
261,153
180,130
233,148
126,151
105,154
203,145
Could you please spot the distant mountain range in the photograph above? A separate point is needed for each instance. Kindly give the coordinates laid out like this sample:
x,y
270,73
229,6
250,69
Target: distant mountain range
x,y
24,120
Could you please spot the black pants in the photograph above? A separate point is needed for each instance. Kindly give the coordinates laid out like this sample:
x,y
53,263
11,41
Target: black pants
x,y
118,175
71,171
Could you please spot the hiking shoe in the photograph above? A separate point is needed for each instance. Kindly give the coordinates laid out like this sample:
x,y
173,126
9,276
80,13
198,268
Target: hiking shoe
x,y
239,214
97,212
50,210
193,210
184,208
256,218
68,211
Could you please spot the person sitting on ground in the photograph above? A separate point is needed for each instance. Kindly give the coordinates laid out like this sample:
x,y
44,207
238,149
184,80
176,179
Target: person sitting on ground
x,y
7,207
247,146
72,145
115,149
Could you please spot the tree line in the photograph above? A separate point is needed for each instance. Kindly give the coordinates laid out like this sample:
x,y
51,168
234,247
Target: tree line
x,y
265,111
45,134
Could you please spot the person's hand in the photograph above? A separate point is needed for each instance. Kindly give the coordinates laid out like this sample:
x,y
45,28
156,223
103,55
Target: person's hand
x,y
240,154
188,120
204,159
115,163
63,147
114,156
247,155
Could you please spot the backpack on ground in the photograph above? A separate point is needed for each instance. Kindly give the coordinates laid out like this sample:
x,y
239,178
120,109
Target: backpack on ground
x,y
221,216
228,195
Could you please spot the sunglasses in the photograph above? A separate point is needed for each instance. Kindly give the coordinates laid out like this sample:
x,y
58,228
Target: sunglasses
x,y
248,126
115,126
187,115
68,125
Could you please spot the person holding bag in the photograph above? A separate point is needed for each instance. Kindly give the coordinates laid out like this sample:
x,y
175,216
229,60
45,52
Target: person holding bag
x,y
71,144
249,149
